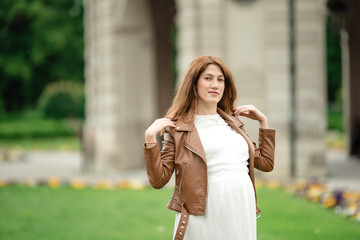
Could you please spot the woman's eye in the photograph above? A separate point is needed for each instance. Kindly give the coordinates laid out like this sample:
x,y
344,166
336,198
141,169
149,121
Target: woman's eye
x,y
207,78
221,79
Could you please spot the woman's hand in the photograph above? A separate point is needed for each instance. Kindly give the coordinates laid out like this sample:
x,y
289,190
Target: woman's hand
x,y
156,127
252,112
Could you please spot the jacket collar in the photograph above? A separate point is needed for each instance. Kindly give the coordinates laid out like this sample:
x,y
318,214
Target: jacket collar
x,y
182,125
230,118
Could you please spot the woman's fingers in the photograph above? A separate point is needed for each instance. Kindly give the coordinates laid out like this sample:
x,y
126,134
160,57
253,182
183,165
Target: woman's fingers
x,y
166,122
249,111
156,127
162,123
243,110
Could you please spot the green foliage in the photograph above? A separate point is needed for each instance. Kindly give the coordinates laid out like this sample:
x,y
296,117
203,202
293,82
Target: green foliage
x,y
63,99
41,42
333,60
335,121
334,76
59,105
31,125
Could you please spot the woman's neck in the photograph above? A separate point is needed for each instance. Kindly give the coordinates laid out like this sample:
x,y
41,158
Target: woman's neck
x,y
206,109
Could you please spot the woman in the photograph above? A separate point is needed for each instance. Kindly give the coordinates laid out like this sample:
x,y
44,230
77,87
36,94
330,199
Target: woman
x,y
213,158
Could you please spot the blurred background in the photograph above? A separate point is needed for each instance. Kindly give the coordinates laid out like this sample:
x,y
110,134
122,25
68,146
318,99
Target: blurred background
x,y
90,76
81,80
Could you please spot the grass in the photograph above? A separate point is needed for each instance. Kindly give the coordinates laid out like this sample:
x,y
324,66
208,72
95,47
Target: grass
x,y
66,213
285,216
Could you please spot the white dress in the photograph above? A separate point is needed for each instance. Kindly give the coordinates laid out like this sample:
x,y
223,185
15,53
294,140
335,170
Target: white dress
x,y
230,209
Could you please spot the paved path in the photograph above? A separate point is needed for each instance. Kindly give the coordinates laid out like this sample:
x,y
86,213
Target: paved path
x,y
342,172
41,165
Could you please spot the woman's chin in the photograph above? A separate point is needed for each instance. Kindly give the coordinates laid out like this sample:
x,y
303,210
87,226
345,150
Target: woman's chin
x,y
213,103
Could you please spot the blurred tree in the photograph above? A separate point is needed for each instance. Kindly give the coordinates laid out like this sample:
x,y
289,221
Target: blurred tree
x,y
334,74
64,99
333,60
41,42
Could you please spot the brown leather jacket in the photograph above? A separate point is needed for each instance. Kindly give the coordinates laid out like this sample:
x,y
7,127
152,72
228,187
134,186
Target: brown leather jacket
x,y
183,153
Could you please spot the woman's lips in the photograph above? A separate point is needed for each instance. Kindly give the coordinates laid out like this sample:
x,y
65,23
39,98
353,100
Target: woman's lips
x,y
213,93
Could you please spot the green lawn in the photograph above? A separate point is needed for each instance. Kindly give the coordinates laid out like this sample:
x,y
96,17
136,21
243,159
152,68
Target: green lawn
x,y
65,213
285,216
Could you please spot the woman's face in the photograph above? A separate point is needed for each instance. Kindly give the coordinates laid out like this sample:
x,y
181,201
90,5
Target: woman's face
x,y
211,85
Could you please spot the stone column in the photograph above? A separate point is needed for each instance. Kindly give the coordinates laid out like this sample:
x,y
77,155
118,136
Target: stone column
x,y
119,83
277,61
100,79
201,31
311,85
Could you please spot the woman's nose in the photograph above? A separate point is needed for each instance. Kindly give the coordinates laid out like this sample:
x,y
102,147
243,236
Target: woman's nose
x,y
215,84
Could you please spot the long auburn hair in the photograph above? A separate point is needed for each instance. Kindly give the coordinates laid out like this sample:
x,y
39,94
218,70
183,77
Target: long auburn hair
x,y
184,105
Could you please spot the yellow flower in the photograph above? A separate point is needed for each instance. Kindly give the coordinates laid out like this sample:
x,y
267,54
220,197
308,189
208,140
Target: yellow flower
x,y
137,185
54,182
78,184
329,201
123,184
259,184
357,216
103,184
2,183
274,185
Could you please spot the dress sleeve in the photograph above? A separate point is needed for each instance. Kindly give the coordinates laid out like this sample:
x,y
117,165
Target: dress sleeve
x,y
160,164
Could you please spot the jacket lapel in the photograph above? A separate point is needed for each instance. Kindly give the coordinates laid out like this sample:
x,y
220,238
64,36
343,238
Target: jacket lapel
x,y
192,141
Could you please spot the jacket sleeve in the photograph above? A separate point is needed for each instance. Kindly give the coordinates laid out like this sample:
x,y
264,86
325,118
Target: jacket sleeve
x,y
160,164
264,154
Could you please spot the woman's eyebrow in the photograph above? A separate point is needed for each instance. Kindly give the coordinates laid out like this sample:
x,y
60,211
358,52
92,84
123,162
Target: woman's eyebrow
x,y
213,75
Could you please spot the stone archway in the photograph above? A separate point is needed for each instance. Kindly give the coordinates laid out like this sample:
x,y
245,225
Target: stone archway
x,y
348,13
136,98
128,78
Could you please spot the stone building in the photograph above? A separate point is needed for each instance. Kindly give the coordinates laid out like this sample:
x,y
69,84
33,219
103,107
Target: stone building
x,y
130,71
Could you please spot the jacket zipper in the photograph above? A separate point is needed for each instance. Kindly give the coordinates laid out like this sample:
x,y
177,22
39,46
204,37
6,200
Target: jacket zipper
x,y
194,152
202,159
182,175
